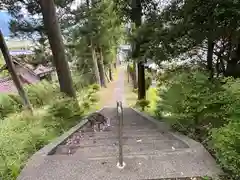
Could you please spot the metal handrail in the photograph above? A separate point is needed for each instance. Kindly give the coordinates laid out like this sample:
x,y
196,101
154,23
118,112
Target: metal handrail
x,y
120,133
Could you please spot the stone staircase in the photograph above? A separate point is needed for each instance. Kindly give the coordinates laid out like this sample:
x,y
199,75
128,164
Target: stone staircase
x,y
150,151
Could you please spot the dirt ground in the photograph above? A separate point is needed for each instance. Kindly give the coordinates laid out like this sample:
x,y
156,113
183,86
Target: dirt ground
x,y
105,94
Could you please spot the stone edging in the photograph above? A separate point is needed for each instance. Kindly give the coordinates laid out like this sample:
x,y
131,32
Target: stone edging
x,y
50,148
164,127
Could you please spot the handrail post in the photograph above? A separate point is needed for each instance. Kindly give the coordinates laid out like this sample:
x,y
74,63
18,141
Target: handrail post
x,y
120,164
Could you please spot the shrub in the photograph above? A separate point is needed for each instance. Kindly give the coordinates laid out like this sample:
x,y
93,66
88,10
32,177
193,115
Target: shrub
x,y
205,110
80,81
94,98
17,142
90,92
226,145
194,104
143,103
148,80
23,133
42,93
95,87
86,105
65,108
8,105
17,99
153,98
135,90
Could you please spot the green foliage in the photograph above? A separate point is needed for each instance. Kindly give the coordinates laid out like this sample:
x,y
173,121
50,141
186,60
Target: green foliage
x,y
65,108
130,68
148,81
135,90
94,98
95,87
143,103
206,110
42,93
226,145
194,104
8,104
153,99
97,22
81,80
86,105
22,134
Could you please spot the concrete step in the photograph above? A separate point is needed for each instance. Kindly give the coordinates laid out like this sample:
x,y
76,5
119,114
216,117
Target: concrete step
x,y
126,129
133,142
127,139
134,124
173,164
112,150
133,134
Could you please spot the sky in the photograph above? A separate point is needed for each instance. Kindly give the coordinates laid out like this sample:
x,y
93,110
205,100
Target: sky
x,y
5,18
4,23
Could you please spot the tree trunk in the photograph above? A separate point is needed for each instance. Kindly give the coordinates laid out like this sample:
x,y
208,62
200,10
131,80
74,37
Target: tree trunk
x,y
13,73
110,73
134,75
101,68
210,58
141,81
232,65
56,43
94,57
137,19
107,77
95,65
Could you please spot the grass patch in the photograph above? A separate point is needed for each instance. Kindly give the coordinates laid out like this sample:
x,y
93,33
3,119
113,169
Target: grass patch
x,y
129,94
152,97
24,133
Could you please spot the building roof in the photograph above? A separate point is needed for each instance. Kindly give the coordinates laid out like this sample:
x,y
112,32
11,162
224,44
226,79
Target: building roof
x,y
42,70
20,52
7,85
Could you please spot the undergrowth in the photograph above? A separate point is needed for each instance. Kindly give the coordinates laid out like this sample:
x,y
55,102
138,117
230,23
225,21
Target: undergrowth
x,y
24,133
206,110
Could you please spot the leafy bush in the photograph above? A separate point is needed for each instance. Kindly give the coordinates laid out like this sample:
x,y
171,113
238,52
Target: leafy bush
x,y
151,95
95,87
143,103
194,104
94,98
90,92
226,145
17,99
86,105
208,111
148,80
65,108
22,134
135,90
130,68
42,93
81,80
8,105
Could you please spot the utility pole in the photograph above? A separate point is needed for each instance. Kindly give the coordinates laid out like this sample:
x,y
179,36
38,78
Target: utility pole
x,y
12,71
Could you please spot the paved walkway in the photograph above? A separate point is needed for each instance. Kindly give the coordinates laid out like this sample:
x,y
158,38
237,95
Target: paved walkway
x,y
150,151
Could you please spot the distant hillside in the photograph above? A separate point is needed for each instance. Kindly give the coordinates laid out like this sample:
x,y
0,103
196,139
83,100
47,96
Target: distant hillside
x,y
4,23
